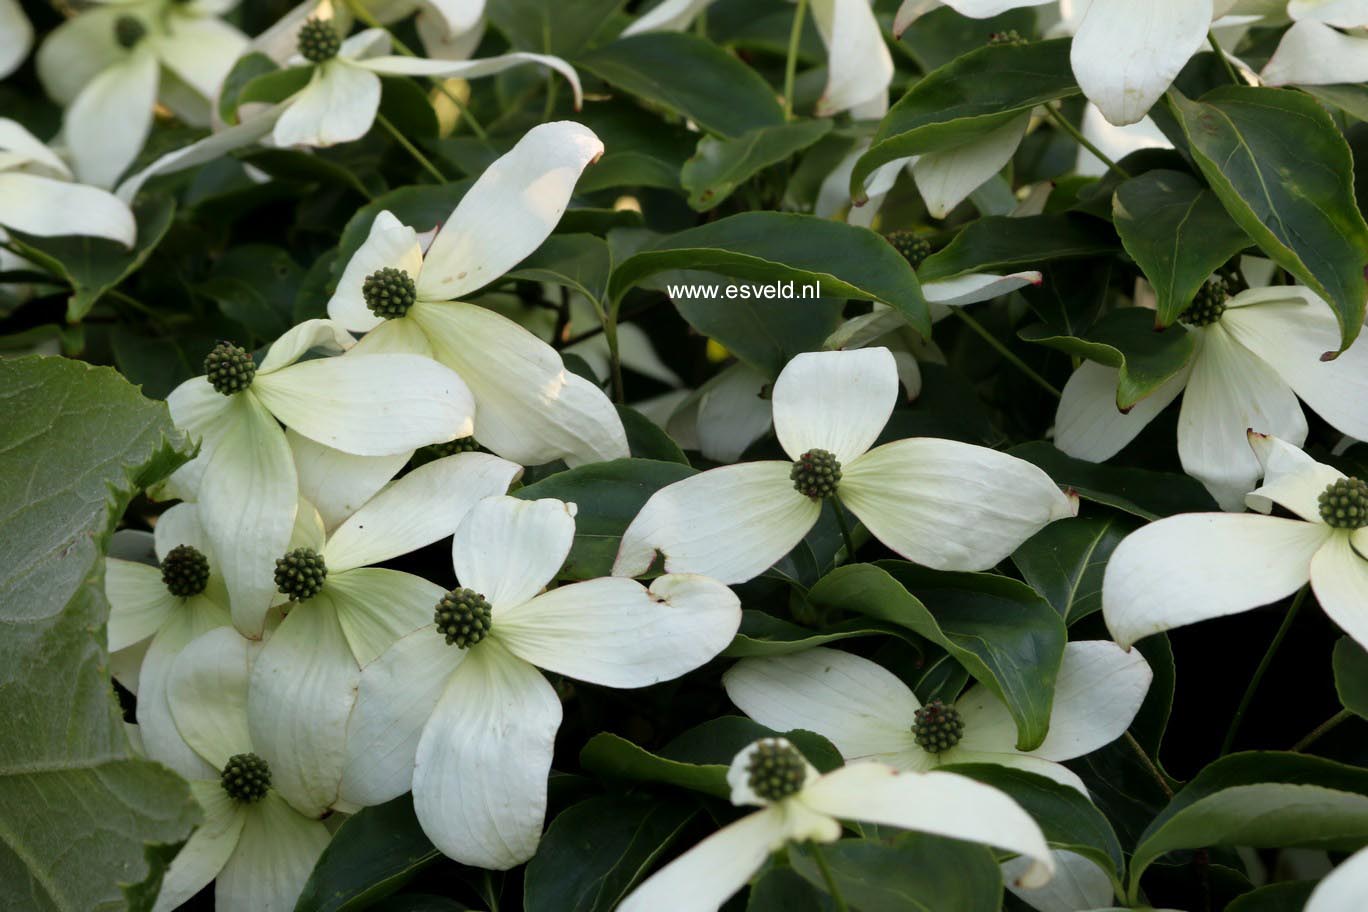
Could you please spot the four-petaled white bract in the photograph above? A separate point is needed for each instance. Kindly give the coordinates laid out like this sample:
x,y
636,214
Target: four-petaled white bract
x,y
470,728
943,804
1196,566
944,504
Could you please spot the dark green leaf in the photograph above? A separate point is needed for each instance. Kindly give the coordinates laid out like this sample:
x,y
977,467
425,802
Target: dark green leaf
x,y
552,26
647,440
921,872
785,890
1065,561
1140,492
719,166
256,285
406,106
1351,676
1285,174
274,86
374,853
247,68
580,262
305,167
944,34
764,634
765,333
1278,897
1003,242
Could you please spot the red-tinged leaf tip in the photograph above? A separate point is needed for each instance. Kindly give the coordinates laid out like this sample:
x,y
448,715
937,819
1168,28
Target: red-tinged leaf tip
x,y
1330,356
859,201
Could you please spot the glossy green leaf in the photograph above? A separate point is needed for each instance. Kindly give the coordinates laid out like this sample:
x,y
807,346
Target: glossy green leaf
x,y
373,854
594,853
609,496
973,95
1065,561
1285,174
87,823
1278,897
1009,638
275,86
916,871
552,26
1177,232
1127,340
785,890
1350,663
580,262
1140,492
647,440
943,34
247,68
1005,243
764,634
719,166
304,167
720,93
843,260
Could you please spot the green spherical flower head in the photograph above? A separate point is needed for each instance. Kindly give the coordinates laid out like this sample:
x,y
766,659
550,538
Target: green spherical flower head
x,y
128,31
300,574
1009,37
459,445
914,249
1210,303
389,292
776,770
245,778
938,727
816,474
185,571
1344,505
318,40
463,616
229,369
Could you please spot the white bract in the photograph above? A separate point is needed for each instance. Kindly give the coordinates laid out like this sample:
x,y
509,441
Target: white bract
x,y
39,196
111,64
1262,350
459,711
944,504
449,29
244,477
304,679
258,848
1343,889
809,807
1313,53
1197,566
146,615
16,36
531,409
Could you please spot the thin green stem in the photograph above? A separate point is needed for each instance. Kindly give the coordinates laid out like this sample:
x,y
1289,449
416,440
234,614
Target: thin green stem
x,y
608,316
1325,727
1149,765
1225,61
791,64
412,150
1006,352
1063,123
844,523
830,879
1259,672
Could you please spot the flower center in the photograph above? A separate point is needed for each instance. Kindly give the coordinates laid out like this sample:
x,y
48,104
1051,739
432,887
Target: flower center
x,y
1344,505
1209,304
776,770
185,571
229,369
938,727
318,40
128,31
1009,37
389,292
464,617
914,249
459,445
245,778
816,474
300,574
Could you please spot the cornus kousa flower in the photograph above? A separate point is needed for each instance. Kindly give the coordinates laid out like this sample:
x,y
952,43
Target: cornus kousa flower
x,y
110,65
941,503
343,613
1343,889
342,95
449,29
797,804
1196,566
244,477
256,846
530,408
38,195
459,711
1255,354
16,36
1313,53
161,608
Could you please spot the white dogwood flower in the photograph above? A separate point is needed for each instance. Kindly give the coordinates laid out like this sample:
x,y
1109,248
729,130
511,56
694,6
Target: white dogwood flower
x,y
16,36
112,63
1343,889
344,612
1198,566
798,804
531,409
458,709
1311,52
258,848
1256,353
944,504
449,29
38,194
244,476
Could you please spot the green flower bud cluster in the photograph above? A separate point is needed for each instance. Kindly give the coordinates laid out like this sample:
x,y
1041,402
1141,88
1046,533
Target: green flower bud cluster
x,y
937,727
245,778
1209,304
389,292
816,474
300,574
776,770
913,248
229,369
464,617
1010,37
185,571
459,445
318,40
128,31
1344,505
